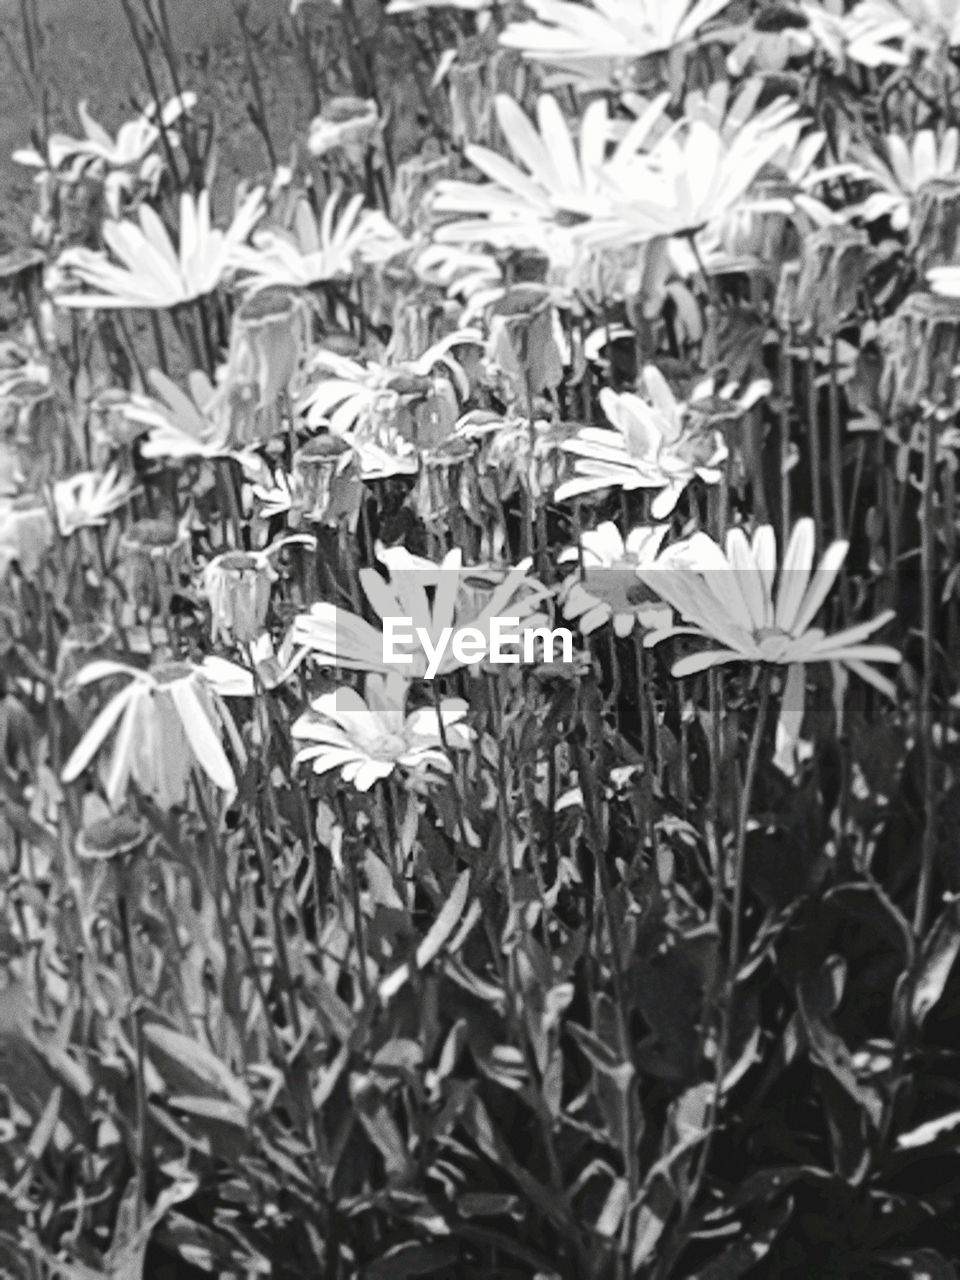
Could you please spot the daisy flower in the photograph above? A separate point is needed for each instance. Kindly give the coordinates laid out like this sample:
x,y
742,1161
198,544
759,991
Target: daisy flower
x,y
736,598
88,498
461,597
907,166
608,588
617,30
313,251
658,443
931,24
170,721
149,271
351,390
205,421
369,738
865,35
559,188
693,175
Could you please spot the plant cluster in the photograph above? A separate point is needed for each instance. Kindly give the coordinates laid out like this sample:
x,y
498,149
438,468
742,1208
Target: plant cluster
x,y
639,317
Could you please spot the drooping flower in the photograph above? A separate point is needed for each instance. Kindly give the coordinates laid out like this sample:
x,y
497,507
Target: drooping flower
x,y
121,160
154,552
607,588
133,140
269,338
88,498
369,738
170,722
348,125
149,272
655,444
341,638
237,586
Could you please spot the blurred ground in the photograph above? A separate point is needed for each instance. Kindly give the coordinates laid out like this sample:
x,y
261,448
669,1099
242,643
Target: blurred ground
x,y
89,54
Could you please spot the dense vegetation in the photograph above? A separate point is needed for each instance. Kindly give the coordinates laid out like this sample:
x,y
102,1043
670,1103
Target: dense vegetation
x,y
635,317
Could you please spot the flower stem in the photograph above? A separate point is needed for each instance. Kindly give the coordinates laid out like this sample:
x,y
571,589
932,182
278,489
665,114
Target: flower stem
x,y
927,586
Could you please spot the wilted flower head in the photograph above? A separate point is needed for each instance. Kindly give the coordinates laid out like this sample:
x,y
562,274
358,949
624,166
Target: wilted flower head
x,y
523,341
170,722
154,552
268,341
330,487
349,125
934,239
923,349
237,585
835,261
122,160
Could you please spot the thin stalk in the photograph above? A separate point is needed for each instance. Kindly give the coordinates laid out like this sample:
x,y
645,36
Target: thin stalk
x,y
928,535
836,473
813,431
